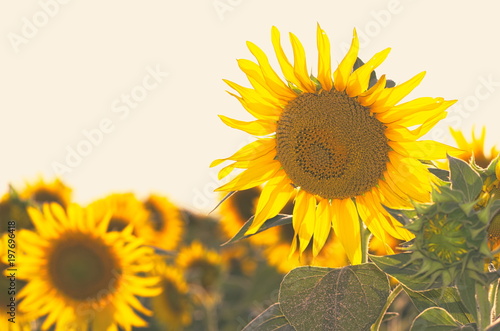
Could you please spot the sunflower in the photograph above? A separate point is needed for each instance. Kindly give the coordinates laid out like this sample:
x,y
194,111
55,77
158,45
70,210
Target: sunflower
x,y
172,307
339,143
42,192
474,147
80,276
166,225
127,213
19,321
201,266
236,211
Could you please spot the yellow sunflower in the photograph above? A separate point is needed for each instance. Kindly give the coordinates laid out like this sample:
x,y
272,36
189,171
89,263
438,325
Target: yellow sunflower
x,y
12,319
42,192
236,211
80,276
127,213
172,307
201,266
166,225
339,143
474,147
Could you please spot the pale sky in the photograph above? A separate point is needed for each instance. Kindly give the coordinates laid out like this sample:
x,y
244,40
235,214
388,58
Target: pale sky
x,y
124,95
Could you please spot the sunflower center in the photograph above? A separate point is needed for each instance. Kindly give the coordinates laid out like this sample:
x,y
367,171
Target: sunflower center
x,y
42,196
117,224
81,267
330,145
155,217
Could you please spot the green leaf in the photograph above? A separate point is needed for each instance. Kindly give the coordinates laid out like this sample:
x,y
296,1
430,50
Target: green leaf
x,y
495,326
442,174
403,216
277,220
464,178
437,319
467,290
271,319
399,267
446,298
348,298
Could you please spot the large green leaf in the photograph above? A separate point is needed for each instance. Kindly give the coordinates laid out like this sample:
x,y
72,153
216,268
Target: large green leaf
x,y
271,319
399,267
277,220
437,319
464,178
348,298
447,298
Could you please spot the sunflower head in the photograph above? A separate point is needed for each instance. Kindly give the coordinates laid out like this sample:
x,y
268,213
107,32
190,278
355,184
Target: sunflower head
x,y
474,148
451,238
165,225
93,276
41,192
339,143
201,266
125,212
172,307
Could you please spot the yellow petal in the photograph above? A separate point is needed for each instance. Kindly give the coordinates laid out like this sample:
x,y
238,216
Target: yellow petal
x,y
424,149
401,133
371,218
286,66
395,228
391,96
322,226
258,81
272,79
360,78
256,128
250,152
262,160
300,65
252,177
346,227
397,175
392,199
341,75
324,60
274,196
252,96
369,97
308,223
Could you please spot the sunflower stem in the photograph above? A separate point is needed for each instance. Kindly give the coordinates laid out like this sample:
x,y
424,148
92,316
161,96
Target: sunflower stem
x,y
390,299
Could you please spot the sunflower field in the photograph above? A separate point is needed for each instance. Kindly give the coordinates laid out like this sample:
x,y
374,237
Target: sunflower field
x,y
340,206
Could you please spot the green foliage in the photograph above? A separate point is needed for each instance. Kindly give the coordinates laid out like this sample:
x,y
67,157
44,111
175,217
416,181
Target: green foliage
x,y
277,220
313,298
438,319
